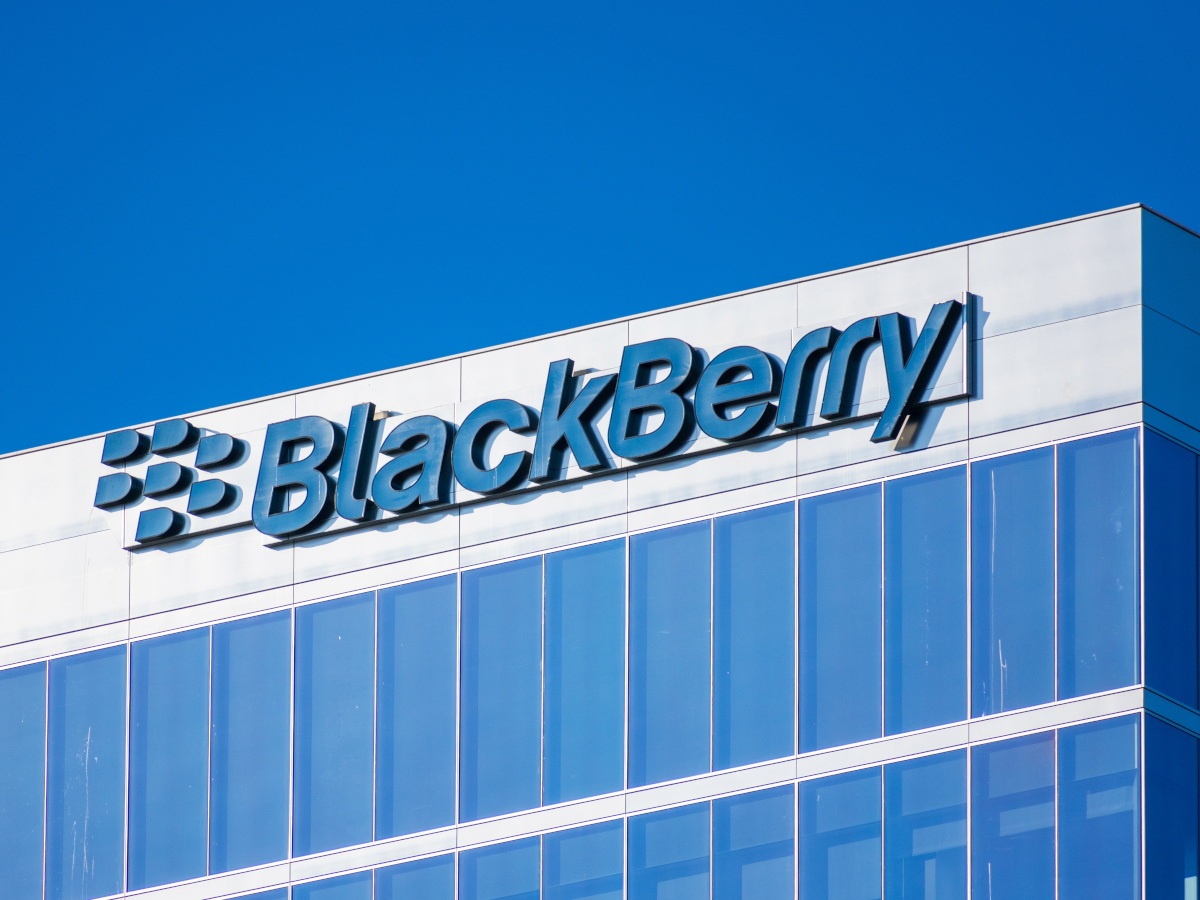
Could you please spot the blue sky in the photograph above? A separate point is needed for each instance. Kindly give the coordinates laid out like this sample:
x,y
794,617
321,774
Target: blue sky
x,y
204,203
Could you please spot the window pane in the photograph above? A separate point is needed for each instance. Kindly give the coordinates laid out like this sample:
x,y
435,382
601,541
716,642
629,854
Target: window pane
x,y
22,776
335,706
344,887
86,788
427,879
168,759
925,570
1170,480
669,653
841,618
1012,581
585,672
925,827
418,673
584,863
1097,564
1098,849
1012,819
251,741
841,837
501,688
1171,812
668,854
501,872
754,604
754,845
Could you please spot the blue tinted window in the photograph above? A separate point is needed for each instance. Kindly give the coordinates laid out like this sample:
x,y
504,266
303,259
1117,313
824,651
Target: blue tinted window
x,y
585,672
754,845
501,872
168,759
426,879
344,887
335,724
501,688
418,673
1171,812
669,653
668,854
584,863
1012,581
925,600
841,837
86,787
1012,819
1170,480
251,741
841,618
925,827
22,774
1097,564
1098,841
754,603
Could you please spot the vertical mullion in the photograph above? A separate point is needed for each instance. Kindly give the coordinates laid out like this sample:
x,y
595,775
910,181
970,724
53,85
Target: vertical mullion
x,y
375,725
46,776
208,762
970,602
292,656
1054,499
542,704
128,750
796,638
712,667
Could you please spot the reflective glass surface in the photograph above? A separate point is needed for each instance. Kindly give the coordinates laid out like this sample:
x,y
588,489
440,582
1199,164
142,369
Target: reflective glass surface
x,y
508,871
584,863
754,602
416,697
251,741
669,653
22,774
168,759
841,837
925,600
85,817
335,724
925,828
1012,819
1171,812
754,845
584,743
1012,581
668,854
1097,564
501,689
344,887
1098,811
426,879
841,617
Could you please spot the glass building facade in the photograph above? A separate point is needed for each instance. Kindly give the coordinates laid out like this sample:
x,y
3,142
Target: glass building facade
x,y
962,678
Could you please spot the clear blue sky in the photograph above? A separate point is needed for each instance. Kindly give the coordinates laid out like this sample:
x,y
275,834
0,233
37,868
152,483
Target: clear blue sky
x,y
203,203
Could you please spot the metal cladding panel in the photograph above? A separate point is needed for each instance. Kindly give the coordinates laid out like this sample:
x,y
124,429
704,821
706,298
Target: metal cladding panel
x,y
1171,270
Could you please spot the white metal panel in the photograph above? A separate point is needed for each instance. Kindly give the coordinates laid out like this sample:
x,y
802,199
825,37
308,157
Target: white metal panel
x,y
712,504
505,828
552,507
241,606
62,644
545,540
714,784
737,467
405,391
762,319
48,494
376,576
246,417
1057,430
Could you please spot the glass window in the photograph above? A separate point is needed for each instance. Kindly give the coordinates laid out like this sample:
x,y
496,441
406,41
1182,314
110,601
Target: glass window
x,y
344,887
585,672
754,610
841,837
1012,581
251,741
500,872
417,699
841,618
22,778
335,724
1171,637
669,653
168,759
754,845
925,827
426,879
584,863
85,817
1012,819
1098,834
1171,812
1097,564
925,600
668,854
501,689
